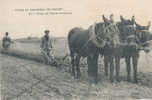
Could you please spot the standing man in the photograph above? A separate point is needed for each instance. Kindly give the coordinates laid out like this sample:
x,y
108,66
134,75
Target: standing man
x,y
6,42
46,46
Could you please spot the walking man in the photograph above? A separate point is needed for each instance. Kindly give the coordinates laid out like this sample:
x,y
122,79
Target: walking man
x,y
46,46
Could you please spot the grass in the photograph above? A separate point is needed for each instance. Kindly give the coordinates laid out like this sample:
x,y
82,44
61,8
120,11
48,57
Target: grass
x,y
28,80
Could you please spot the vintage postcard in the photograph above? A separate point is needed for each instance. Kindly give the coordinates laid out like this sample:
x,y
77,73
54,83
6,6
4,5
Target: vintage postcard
x,y
76,50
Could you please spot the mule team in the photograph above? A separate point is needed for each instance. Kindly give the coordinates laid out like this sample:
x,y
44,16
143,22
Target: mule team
x,y
113,40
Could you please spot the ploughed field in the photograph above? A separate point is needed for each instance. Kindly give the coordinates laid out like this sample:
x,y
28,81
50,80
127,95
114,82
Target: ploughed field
x,y
23,79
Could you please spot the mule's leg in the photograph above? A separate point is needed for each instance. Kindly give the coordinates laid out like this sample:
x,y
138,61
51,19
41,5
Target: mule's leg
x,y
96,68
92,67
73,64
90,64
77,66
111,68
106,65
127,59
117,62
135,62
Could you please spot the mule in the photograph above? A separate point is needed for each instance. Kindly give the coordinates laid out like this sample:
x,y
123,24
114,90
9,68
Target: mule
x,y
109,52
140,41
115,54
88,43
131,43
137,40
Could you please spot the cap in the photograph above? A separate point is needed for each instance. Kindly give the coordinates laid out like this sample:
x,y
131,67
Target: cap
x,y
6,33
47,31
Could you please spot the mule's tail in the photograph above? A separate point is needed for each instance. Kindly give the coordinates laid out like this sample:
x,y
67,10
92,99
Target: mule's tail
x,y
71,32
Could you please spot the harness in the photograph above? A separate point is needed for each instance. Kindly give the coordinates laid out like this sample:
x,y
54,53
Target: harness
x,y
146,42
136,37
94,37
92,28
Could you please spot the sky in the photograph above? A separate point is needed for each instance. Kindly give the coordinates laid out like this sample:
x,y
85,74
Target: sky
x,y
83,13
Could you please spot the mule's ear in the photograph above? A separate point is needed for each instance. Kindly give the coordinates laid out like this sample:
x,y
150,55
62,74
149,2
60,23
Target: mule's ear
x,y
121,18
105,19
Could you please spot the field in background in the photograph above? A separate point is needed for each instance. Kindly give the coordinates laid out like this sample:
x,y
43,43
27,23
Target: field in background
x,y
60,46
29,80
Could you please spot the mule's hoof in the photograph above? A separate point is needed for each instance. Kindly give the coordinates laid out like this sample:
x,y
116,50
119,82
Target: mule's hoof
x,y
111,80
73,75
128,79
93,85
96,82
77,77
135,81
118,80
106,74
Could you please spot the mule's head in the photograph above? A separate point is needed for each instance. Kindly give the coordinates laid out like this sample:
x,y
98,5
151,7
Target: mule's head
x,y
145,40
106,21
127,21
107,32
126,27
140,27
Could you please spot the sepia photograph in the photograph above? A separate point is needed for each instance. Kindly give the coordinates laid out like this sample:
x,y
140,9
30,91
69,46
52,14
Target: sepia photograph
x,y
75,50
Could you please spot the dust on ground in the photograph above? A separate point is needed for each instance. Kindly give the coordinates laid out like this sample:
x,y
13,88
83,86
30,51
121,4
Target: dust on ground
x,y
27,80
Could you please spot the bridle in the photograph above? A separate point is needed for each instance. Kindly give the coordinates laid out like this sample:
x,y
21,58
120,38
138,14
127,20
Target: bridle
x,y
97,37
140,38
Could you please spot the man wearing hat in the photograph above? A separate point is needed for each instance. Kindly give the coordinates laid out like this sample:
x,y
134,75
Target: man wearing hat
x,y
46,46
6,41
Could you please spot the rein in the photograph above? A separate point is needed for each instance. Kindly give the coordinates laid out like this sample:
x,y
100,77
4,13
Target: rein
x,y
110,26
88,39
96,36
129,25
144,43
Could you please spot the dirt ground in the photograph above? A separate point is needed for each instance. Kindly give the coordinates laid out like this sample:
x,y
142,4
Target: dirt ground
x,y
28,80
